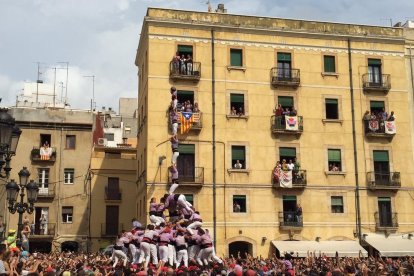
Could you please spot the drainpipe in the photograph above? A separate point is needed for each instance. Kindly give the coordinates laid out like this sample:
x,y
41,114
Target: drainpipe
x,y
213,107
357,203
411,69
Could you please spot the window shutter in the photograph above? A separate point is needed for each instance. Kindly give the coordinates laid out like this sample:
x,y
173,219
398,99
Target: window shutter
x,y
67,210
291,152
237,98
236,57
289,198
334,155
186,148
372,61
377,104
284,57
329,64
384,199
285,101
380,156
236,197
184,93
337,200
185,49
238,153
331,101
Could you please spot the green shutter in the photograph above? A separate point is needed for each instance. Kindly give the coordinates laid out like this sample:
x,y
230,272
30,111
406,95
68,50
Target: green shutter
x,y
380,156
238,197
236,98
289,198
238,153
329,64
331,101
189,197
186,148
285,101
384,199
185,93
372,61
334,155
337,200
290,152
236,57
185,49
377,104
284,57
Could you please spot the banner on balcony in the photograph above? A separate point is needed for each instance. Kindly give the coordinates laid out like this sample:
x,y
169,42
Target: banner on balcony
x,y
390,127
286,179
292,123
373,125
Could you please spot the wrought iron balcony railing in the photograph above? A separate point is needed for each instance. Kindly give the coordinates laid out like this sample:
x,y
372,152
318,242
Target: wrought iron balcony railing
x,y
289,219
379,128
384,180
188,71
43,154
299,179
285,77
287,125
376,82
43,229
386,220
191,175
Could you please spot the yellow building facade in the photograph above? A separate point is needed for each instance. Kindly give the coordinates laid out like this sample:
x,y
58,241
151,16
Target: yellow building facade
x,y
254,64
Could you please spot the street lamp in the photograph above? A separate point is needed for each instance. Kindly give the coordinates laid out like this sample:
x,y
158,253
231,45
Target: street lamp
x,y
12,189
9,138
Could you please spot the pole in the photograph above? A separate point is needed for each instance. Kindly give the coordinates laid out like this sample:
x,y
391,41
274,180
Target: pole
x,y
54,88
67,79
37,82
21,211
93,91
357,200
213,108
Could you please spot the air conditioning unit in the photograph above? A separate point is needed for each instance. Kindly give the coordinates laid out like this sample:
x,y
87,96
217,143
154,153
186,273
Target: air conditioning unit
x,y
102,141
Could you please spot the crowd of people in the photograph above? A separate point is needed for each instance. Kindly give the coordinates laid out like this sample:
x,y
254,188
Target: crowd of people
x,y
293,166
183,64
375,120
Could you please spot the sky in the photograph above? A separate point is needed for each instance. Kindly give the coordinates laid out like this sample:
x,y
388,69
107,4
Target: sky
x,y
100,38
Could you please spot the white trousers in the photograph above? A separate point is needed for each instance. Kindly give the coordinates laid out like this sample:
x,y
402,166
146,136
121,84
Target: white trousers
x,y
172,258
134,254
174,157
119,254
174,128
156,220
182,202
173,188
193,226
144,253
154,253
193,251
182,256
205,254
163,251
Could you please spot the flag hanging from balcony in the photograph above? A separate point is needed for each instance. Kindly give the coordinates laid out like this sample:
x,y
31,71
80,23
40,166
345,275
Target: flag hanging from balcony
x,y
186,121
292,123
390,127
285,179
373,125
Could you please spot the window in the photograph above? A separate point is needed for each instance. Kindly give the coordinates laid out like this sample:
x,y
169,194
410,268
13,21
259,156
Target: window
x,y
112,154
374,71
381,167
43,177
69,175
186,163
337,204
70,141
284,65
239,204
238,157
127,129
287,154
190,198
45,139
237,104
236,57
182,97
109,136
331,109
376,106
67,214
112,191
334,160
329,64
185,50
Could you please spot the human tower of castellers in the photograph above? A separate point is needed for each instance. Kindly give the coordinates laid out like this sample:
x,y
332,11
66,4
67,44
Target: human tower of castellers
x,y
174,242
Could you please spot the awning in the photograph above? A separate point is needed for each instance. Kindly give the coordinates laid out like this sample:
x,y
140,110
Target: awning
x,y
328,248
393,245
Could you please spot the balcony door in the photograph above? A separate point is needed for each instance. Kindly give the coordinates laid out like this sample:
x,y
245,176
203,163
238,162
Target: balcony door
x,y
381,167
289,208
41,220
374,72
284,66
384,211
43,179
186,163
112,220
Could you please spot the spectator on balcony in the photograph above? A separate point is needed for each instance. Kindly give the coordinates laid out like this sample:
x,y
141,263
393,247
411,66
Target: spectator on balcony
x,y
278,111
391,117
233,111
240,111
188,106
238,165
284,165
189,64
333,167
293,112
384,115
290,165
176,63
276,172
195,108
296,169
367,116
43,224
45,151
182,65
298,213
236,207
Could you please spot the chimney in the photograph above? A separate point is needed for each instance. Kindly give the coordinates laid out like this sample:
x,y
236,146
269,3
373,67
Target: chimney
x,y
109,108
221,9
103,108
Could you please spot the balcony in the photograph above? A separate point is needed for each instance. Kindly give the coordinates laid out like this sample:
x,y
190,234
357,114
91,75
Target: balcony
x,y
191,72
46,193
195,123
43,230
386,221
376,82
285,77
289,221
191,177
379,128
40,154
384,181
111,229
113,194
299,180
294,125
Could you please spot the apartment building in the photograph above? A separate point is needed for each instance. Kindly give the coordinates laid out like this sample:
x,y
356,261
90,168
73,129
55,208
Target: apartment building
x,y
269,90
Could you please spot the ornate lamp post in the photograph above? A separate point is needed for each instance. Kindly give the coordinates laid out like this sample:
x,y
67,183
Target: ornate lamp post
x,y
12,189
9,138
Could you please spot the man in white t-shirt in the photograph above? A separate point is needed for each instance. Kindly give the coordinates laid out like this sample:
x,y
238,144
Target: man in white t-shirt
x,y
290,165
